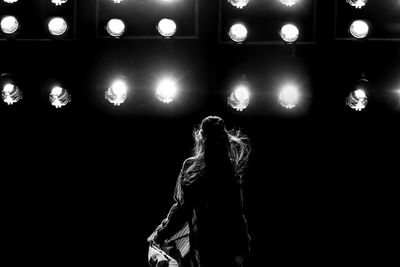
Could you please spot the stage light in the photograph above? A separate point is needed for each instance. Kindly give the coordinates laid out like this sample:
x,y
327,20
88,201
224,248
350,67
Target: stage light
x,y
166,27
240,97
238,3
357,99
115,27
289,96
288,2
359,29
357,3
59,97
117,92
59,2
57,26
238,33
289,33
166,90
10,1
116,1
11,93
9,24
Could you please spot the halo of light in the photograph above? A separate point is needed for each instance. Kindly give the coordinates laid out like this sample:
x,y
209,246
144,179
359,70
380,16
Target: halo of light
x,y
9,24
166,90
359,29
289,33
57,26
166,27
289,96
240,97
115,27
238,3
238,33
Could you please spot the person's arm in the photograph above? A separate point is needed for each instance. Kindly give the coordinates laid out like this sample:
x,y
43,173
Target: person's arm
x,y
177,216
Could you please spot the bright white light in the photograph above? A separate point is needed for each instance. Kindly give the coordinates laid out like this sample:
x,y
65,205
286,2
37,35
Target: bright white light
x,y
59,97
9,24
57,26
115,27
11,94
238,33
10,1
166,27
117,92
357,3
359,29
238,3
357,100
59,2
289,2
166,90
289,33
289,96
117,1
240,97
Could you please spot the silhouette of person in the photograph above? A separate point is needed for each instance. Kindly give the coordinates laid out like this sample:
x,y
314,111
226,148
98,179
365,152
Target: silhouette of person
x,y
208,196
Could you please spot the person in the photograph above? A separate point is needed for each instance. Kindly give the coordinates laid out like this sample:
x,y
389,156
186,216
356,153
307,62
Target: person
x,y
208,197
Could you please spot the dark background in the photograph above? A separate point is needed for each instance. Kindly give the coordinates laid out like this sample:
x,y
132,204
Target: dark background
x,y
87,184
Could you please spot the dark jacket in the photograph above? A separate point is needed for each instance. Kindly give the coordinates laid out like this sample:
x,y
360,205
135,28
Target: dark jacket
x,y
213,207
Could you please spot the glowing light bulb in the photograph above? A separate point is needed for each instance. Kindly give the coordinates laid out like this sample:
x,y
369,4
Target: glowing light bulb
x,y
9,24
238,3
115,27
59,2
116,1
288,2
117,92
166,90
11,94
240,97
289,33
59,97
357,100
289,96
359,29
10,1
57,26
166,27
238,33
357,3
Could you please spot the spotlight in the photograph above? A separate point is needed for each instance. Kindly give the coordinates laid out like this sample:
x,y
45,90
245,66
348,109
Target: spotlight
x,y
166,90
10,1
59,2
240,97
238,33
115,27
116,1
57,26
116,93
9,24
359,29
238,3
59,97
289,96
288,2
357,3
11,93
166,27
289,33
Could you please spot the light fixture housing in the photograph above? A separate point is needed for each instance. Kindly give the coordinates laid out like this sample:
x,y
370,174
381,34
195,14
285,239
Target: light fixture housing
x,y
115,27
57,26
59,97
238,3
238,33
117,92
240,97
357,3
166,27
289,33
9,24
359,29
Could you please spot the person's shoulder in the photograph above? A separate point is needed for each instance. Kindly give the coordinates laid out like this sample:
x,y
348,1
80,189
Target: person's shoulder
x,y
188,162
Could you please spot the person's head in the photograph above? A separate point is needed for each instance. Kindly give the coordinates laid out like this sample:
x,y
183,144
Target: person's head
x,y
214,142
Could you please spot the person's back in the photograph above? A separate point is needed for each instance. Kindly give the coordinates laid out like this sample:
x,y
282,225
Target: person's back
x,y
208,195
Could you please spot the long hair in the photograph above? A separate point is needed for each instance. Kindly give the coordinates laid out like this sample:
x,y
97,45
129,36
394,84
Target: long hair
x,y
214,144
